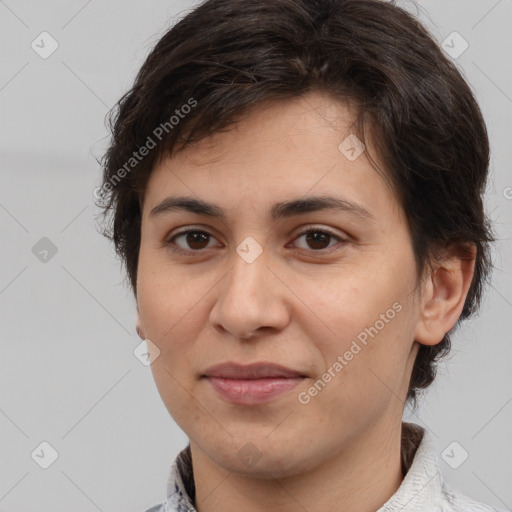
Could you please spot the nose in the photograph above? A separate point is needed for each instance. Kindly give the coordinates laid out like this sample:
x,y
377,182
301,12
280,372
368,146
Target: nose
x,y
251,300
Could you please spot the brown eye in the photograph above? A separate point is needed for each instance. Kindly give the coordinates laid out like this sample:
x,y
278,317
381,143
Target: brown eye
x,y
194,241
318,239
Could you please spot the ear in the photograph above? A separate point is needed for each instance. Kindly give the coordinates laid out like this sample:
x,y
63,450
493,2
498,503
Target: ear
x,y
444,292
138,327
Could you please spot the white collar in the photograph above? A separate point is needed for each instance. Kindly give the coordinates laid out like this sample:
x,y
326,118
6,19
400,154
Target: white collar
x,y
421,490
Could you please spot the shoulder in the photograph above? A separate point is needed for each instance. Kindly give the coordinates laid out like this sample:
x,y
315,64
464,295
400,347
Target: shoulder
x,y
455,501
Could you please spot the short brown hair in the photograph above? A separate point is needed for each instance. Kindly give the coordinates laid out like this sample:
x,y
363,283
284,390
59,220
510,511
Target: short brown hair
x,y
226,56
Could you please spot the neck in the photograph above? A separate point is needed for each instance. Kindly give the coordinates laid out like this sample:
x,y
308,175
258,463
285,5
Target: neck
x,y
360,478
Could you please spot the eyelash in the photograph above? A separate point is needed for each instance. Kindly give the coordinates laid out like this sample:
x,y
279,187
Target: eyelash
x,y
171,244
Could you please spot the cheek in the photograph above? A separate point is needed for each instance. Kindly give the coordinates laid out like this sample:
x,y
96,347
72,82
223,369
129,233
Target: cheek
x,y
363,372
167,317
172,326
363,333
164,296
349,306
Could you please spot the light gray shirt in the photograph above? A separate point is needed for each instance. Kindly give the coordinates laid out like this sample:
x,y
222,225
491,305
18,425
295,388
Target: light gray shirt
x,y
421,490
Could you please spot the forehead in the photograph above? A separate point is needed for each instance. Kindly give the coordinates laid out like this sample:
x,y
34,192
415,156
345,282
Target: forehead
x,y
287,123
279,151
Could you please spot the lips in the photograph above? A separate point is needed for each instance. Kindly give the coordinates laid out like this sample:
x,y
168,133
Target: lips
x,y
252,371
251,384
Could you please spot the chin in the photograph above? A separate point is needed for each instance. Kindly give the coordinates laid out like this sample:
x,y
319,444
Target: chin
x,y
260,458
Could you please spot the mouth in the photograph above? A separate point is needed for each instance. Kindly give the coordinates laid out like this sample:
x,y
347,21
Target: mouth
x,y
251,384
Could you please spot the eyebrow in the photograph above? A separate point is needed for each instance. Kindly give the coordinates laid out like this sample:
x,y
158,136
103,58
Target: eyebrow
x,y
278,211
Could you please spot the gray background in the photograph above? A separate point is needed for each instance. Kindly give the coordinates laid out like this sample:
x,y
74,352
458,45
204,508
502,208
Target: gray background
x,y
68,375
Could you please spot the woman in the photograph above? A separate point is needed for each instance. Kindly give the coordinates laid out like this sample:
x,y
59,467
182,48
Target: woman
x,y
296,194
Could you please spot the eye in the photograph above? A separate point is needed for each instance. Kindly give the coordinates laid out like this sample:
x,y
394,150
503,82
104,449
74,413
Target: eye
x,y
196,240
318,239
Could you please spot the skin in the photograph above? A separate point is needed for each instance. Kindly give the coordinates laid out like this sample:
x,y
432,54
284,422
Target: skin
x,y
298,304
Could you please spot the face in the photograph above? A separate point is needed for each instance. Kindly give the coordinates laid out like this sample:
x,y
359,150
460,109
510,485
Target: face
x,y
325,290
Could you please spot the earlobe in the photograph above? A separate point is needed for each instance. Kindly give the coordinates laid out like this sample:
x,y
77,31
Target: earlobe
x,y
138,327
444,293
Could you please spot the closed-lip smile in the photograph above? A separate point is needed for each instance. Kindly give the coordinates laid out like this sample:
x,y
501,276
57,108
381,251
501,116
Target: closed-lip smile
x,y
253,383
